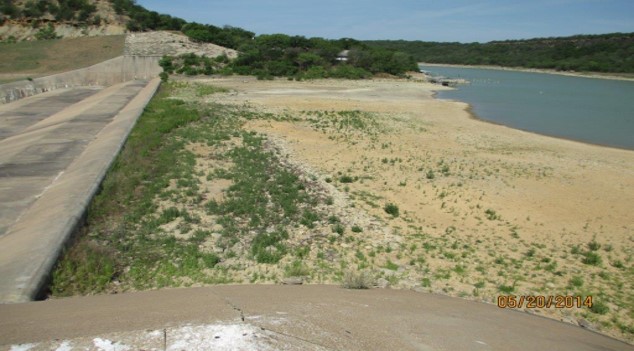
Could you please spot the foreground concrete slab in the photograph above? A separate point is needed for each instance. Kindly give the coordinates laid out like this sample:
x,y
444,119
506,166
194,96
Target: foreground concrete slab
x,y
49,172
17,116
53,130
268,317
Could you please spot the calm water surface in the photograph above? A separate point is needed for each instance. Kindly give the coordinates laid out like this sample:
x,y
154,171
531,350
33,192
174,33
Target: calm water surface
x,y
596,111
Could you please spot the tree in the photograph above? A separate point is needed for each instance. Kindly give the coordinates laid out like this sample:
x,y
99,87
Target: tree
x,y
308,59
46,33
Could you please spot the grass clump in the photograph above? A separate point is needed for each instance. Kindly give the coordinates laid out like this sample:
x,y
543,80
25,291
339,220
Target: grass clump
x,y
357,280
491,214
591,258
296,269
339,229
87,268
576,281
205,90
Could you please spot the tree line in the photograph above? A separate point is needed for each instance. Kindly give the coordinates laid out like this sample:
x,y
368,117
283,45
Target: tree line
x,y
297,57
594,53
265,56
272,55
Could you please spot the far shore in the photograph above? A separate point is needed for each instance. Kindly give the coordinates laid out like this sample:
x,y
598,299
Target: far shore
x,y
595,75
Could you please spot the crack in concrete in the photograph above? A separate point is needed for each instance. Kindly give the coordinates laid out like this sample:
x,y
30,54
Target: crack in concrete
x,y
242,318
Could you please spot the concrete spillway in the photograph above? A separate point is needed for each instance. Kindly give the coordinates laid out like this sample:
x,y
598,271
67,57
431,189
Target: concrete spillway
x,y
117,70
58,137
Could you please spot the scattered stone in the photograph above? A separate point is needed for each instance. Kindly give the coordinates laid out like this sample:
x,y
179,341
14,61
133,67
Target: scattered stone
x,y
293,281
382,283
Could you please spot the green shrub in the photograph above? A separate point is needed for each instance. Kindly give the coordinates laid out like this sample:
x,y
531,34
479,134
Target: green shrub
x,y
599,307
349,72
346,179
46,33
391,209
269,248
296,269
506,289
356,229
315,72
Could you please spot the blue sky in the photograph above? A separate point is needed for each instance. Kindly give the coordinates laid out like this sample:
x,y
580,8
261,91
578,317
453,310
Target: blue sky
x,y
428,20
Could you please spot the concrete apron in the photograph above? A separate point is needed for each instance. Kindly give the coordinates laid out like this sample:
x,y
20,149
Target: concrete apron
x,y
32,245
275,317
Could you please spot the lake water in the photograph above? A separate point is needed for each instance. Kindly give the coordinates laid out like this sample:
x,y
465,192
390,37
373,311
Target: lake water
x,y
596,111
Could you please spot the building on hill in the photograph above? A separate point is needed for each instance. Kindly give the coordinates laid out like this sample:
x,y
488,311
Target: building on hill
x,y
343,56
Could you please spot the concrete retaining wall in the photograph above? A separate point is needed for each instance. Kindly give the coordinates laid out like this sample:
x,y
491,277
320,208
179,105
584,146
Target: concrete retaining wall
x,y
117,70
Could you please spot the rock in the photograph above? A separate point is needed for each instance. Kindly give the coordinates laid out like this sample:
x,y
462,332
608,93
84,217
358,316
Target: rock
x,y
550,285
238,247
585,324
568,320
382,283
293,281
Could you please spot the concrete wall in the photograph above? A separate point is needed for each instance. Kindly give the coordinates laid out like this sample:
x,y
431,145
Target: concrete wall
x,y
117,70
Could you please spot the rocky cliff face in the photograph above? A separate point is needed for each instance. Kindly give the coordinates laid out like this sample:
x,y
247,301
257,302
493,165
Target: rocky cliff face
x,y
162,43
18,31
28,20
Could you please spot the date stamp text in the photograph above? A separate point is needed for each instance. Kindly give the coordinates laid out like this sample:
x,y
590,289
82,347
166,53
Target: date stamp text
x,y
544,301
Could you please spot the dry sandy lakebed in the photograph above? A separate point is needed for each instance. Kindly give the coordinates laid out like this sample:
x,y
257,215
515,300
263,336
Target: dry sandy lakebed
x,y
484,210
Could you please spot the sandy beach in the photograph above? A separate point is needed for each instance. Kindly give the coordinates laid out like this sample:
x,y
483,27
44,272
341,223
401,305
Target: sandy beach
x,y
484,210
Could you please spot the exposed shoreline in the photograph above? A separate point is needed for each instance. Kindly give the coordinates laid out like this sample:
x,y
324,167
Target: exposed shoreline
x,y
536,70
473,115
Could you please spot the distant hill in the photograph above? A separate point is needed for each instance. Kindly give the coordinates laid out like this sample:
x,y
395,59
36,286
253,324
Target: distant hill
x,y
593,53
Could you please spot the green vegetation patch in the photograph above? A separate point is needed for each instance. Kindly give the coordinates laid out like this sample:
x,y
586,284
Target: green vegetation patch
x,y
144,227
347,125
